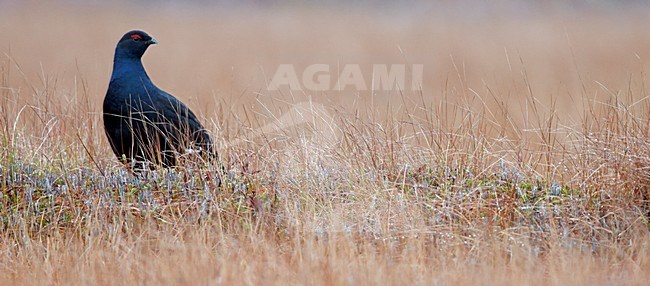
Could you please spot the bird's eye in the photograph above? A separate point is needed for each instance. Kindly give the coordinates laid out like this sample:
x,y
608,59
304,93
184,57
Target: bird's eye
x,y
136,37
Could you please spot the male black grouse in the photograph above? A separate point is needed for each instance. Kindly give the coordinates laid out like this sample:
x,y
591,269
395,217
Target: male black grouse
x,y
144,123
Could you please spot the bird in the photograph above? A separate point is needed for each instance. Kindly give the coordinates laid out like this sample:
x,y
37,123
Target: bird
x,y
146,126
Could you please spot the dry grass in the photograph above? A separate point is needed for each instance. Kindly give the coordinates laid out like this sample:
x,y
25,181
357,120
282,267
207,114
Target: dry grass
x,y
524,160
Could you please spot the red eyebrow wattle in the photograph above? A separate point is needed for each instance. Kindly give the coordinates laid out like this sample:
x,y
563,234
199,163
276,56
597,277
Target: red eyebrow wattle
x,y
136,36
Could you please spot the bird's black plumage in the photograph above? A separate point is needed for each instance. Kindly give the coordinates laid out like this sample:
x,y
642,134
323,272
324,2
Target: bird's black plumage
x,y
144,123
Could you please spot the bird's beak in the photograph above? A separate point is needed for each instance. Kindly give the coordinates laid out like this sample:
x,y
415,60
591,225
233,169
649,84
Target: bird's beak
x,y
152,41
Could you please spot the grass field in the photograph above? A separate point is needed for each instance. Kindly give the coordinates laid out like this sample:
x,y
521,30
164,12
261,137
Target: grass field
x,y
524,159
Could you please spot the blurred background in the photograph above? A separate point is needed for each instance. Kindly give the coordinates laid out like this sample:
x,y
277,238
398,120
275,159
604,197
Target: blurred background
x,y
218,56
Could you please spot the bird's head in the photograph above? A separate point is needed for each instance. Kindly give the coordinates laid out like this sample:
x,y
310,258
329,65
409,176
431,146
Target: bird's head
x,y
133,44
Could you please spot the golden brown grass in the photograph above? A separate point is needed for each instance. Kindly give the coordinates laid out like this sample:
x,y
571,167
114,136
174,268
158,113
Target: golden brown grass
x,y
524,160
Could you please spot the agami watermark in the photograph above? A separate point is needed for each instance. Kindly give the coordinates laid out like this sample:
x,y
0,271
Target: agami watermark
x,y
320,77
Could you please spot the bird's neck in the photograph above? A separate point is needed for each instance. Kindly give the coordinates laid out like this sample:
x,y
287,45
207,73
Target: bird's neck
x,y
128,67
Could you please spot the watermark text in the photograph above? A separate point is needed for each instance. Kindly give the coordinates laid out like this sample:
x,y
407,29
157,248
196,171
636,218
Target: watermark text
x,y
320,77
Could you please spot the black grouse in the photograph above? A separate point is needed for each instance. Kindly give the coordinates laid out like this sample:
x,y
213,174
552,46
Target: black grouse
x,y
144,123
